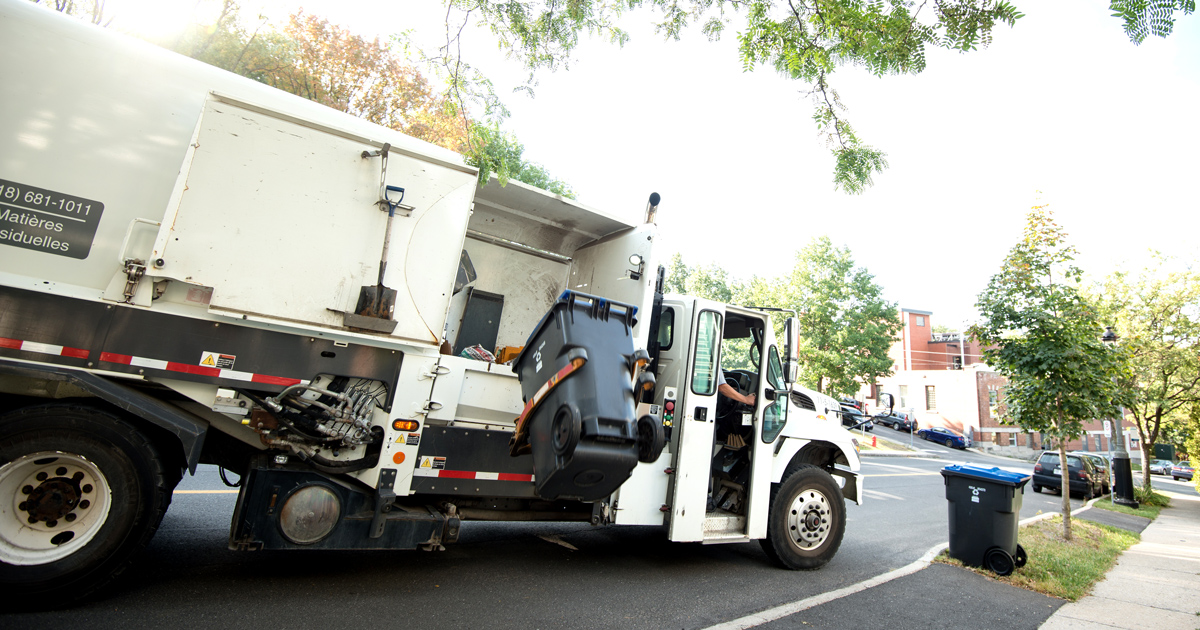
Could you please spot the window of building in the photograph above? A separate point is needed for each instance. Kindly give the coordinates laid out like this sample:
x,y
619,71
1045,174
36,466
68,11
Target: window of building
x,y
920,320
930,398
993,400
904,396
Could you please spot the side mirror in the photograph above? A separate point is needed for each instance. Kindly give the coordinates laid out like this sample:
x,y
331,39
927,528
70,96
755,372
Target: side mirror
x,y
887,400
791,348
791,343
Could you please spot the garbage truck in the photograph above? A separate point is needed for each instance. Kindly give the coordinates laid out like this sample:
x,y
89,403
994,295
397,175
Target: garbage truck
x,y
196,268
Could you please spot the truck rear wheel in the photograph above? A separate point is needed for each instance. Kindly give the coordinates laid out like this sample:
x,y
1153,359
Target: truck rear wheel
x,y
81,492
807,519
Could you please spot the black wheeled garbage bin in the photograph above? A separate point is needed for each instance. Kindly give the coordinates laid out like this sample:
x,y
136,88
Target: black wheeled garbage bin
x,y
985,507
584,434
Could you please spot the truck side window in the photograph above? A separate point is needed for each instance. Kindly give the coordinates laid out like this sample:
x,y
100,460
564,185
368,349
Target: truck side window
x,y
666,328
708,341
775,414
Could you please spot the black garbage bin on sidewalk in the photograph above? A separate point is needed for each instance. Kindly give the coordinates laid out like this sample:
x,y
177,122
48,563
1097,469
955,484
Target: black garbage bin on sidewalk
x,y
985,507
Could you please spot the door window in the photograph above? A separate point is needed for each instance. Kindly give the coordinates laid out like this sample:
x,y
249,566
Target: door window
x,y
708,342
775,414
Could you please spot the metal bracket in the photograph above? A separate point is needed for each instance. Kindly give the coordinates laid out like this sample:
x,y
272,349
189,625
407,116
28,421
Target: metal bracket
x,y
385,494
134,270
438,370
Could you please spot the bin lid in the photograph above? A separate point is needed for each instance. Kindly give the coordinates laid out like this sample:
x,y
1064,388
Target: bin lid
x,y
993,474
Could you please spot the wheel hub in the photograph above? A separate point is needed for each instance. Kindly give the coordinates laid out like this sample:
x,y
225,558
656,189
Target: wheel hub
x,y
59,501
52,500
808,519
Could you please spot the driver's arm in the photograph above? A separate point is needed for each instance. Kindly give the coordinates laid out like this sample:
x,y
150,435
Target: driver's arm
x,y
729,392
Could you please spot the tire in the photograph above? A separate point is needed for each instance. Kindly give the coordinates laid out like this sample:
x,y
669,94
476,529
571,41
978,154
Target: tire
x,y
806,519
1089,493
1020,557
57,545
998,561
1037,488
651,439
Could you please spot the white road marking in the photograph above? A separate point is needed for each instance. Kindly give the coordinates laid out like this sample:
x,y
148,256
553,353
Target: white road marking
x,y
779,612
881,495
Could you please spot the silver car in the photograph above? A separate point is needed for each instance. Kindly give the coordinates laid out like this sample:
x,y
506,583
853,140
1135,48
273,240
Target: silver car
x,y
1160,466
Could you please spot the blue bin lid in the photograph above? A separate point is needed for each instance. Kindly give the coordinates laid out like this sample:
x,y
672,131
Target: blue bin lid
x,y
995,474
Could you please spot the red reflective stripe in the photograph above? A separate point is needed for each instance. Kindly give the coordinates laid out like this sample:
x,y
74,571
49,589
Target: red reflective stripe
x,y
112,357
75,353
457,474
193,369
14,344
515,477
273,380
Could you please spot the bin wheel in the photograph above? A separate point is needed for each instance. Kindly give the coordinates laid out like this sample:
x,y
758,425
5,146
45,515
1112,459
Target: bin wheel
x,y
651,439
998,561
564,430
1019,558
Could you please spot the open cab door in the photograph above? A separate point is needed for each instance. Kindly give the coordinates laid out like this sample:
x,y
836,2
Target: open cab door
x,y
721,486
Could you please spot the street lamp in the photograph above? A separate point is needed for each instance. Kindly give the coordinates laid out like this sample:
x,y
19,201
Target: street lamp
x,y
1122,471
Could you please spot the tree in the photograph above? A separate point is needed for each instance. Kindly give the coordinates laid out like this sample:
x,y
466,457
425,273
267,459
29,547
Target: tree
x,y
804,40
90,10
1040,332
323,62
1156,313
846,327
709,282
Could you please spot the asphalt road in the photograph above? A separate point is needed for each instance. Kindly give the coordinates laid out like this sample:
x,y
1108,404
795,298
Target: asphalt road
x,y
527,576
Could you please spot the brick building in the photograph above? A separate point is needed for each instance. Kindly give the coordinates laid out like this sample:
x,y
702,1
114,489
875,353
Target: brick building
x,y
940,378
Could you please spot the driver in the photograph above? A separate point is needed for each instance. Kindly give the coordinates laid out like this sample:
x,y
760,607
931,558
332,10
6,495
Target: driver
x,y
728,391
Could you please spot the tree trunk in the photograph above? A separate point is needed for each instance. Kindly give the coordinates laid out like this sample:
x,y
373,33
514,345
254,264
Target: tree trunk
x,y
1065,472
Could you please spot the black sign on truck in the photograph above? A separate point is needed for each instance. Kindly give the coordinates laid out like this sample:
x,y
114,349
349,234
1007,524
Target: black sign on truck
x,y
47,221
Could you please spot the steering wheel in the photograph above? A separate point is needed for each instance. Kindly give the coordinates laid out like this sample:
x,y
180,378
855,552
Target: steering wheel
x,y
725,404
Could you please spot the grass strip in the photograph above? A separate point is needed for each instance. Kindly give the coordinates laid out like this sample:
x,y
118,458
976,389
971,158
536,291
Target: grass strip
x,y
1146,510
1062,568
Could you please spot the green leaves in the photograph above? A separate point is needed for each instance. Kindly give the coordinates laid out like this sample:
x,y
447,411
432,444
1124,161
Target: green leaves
x,y
1142,18
1042,334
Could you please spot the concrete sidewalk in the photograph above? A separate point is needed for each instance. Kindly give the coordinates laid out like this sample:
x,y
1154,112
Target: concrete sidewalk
x,y
1155,583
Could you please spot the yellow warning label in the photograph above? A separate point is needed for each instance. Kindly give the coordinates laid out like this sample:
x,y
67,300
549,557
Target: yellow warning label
x,y
426,462
217,360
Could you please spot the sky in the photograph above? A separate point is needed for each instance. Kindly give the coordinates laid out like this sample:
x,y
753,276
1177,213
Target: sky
x,y
1061,110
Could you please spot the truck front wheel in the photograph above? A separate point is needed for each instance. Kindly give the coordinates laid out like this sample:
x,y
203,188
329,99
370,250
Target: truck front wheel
x,y
807,519
81,492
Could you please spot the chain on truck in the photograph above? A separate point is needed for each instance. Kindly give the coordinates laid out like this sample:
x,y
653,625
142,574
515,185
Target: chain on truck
x,y
199,269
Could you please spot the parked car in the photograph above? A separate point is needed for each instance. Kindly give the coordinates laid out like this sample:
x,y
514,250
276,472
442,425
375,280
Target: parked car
x,y
898,420
850,402
1081,474
949,437
853,419
1161,466
1182,470
1100,463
